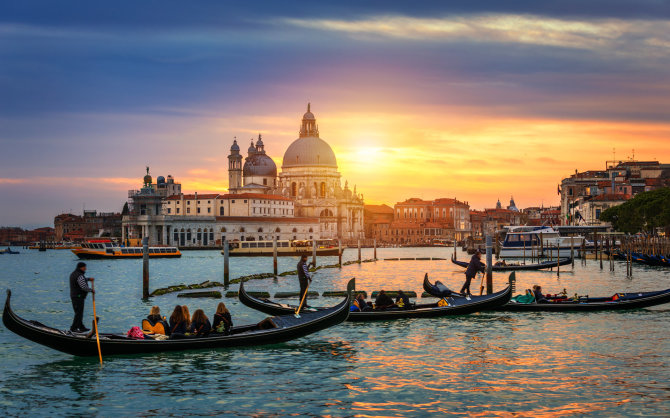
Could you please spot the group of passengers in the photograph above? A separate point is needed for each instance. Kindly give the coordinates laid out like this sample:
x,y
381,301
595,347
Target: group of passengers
x,y
382,302
182,325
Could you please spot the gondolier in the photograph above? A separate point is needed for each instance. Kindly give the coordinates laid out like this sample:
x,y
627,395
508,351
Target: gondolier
x,y
303,275
78,291
474,266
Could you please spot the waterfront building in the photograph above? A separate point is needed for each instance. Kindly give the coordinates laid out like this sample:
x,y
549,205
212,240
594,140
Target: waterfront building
x,y
206,220
418,221
304,201
70,227
377,221
20,236
309,177
619,181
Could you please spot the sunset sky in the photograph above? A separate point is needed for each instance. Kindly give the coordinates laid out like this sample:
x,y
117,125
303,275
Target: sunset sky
x,y
474,100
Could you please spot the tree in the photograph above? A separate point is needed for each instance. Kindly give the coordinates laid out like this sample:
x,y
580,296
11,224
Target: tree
x,y
644,213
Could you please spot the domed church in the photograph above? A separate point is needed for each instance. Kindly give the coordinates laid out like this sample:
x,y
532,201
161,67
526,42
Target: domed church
x,y
309,177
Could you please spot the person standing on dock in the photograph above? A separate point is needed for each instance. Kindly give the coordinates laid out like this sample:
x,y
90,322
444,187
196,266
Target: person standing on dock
x,y
303,275
474,266
78,291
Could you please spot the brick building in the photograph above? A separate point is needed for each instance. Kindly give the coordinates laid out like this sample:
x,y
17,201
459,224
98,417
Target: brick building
x,y
377,221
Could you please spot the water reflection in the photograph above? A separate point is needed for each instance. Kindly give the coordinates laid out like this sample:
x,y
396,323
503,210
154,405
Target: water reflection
x,y
485,364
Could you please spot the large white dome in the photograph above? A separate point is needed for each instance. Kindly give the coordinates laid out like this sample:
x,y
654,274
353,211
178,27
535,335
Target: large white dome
x,y
309,151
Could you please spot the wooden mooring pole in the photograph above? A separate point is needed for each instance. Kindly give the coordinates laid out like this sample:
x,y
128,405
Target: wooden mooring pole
x,y
339,252
145,268
314,253
226,265
374,245
274,256
489,264
359,251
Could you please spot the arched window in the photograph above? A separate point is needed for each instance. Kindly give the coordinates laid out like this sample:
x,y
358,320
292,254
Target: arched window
x,y
242,229
295,230
260,229
322,191
294,189
223,229
311,229
221,211
277,229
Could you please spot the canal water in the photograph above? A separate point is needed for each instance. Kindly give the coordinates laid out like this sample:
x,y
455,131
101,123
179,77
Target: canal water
x,y
485,364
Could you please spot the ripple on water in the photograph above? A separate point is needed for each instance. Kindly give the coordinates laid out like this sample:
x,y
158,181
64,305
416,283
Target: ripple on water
x,y
485,364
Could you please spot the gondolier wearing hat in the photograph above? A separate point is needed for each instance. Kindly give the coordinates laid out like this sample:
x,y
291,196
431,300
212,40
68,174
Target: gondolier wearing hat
x,y
474,266
78,291
303,275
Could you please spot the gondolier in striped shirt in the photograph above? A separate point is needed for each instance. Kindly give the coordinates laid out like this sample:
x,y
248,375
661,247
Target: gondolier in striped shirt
x,y
78,291
303,275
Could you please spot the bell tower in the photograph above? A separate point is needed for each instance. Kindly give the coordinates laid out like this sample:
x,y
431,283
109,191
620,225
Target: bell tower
x,y
234,168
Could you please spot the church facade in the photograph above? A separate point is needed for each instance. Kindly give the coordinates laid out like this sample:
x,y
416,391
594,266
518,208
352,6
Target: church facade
x,y
309,177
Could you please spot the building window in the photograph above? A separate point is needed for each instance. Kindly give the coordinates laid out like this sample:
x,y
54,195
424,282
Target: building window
x,y
188,210
198,210
323,189
233,201
265,182
294,189
177,210
168,210
209,210
188,202
245,200
221,211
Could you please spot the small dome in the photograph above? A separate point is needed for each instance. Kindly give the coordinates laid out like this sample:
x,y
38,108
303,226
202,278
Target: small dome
x,y
251,148
160,180
259,165
235,147
259,143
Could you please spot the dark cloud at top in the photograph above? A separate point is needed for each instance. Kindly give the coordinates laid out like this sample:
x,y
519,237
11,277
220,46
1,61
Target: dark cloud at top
x,y
159,13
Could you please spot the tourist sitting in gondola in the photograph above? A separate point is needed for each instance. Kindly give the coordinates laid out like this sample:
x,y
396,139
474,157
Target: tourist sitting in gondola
x,y
155,323
359,304
223,322
187,316
383,301
402,301
539,297
200,325
178,324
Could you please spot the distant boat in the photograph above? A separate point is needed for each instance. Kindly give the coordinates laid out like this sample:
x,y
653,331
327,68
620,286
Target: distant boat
x,y
107,250
8,251
285,248
523,241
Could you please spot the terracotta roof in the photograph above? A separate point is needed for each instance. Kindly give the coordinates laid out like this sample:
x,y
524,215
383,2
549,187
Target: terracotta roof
x,y
254,196
612,197
192,196
378,209
266,219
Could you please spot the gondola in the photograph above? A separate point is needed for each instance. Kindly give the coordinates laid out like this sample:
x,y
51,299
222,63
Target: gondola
x,y
456,306
8,251
518,267
274,330
617,302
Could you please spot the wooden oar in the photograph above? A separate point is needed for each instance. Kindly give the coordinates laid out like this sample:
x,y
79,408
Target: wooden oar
x,y
95,323
481,285
297,315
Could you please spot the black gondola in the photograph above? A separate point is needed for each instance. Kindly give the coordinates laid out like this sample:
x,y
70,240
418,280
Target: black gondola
x,y
456,306
275,330
616,302
517,267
